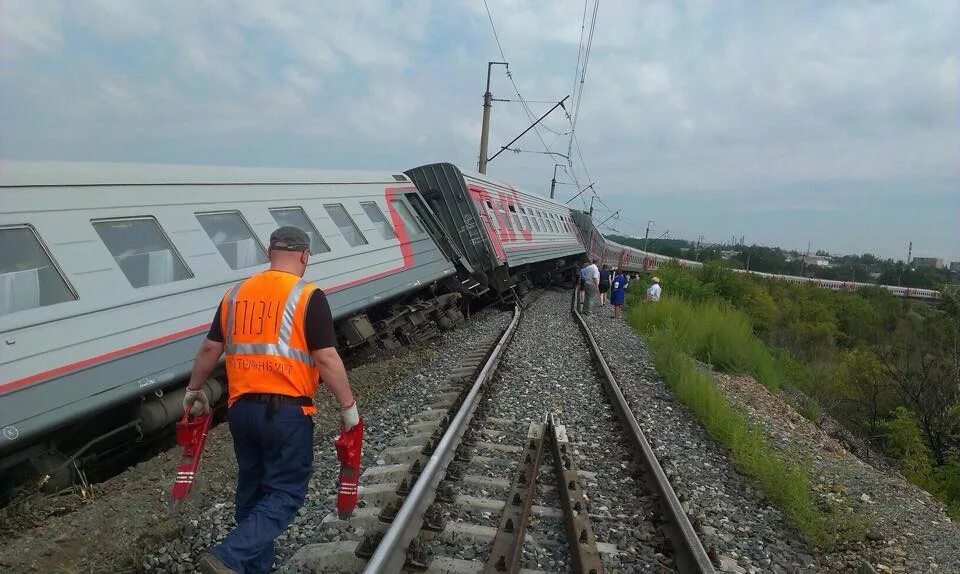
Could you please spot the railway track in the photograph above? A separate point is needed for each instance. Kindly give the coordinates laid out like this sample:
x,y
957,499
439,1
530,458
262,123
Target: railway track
x,y
482,483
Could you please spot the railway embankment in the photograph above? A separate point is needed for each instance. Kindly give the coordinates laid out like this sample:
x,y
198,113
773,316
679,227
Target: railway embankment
x,y
854,515
880,522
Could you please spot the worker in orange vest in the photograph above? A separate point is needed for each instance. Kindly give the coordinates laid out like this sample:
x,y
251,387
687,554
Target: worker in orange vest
x,y
278,335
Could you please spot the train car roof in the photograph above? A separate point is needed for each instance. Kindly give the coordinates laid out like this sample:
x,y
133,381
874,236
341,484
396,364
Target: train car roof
x,y
484,177
21,173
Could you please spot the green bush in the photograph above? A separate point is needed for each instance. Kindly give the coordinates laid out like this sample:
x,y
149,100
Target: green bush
x,y
713,333
828,344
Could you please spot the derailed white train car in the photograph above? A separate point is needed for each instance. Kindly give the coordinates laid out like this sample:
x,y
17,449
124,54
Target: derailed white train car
x,y
110,275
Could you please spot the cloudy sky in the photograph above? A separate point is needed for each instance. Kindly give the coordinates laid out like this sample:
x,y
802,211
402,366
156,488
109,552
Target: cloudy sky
x,y
836,123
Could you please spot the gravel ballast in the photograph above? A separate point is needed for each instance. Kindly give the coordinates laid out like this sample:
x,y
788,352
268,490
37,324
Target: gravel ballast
x,y
124,527
737,524
385,415
548,368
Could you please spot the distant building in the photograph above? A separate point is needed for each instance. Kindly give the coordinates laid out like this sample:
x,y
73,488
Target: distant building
x,y
729,254
955,266
933,262
817,260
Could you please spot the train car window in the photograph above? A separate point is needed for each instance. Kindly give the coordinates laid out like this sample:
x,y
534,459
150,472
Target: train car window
x,y
408,220
345,224
493,216
234,239
530,219
553,223
379,221
28,277
142,250
516,218
297,217
504,217
543,221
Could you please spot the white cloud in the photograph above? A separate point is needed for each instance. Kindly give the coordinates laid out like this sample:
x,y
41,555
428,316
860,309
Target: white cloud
x,y
29,26
697,96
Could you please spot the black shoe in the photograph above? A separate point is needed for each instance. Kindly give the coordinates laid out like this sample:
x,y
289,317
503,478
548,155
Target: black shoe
x,y
210,564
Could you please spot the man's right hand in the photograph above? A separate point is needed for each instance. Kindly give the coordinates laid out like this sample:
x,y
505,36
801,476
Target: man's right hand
x,y
350,416
196,401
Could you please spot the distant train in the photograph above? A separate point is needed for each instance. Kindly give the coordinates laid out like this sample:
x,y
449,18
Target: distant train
x,y
632,259
110,273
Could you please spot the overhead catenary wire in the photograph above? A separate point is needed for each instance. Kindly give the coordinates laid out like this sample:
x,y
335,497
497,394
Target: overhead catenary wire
x,y
583,56
580,71
530,115
583,69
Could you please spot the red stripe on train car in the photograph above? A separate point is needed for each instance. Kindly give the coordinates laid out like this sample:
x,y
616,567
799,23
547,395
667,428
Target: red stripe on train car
x,y
405,250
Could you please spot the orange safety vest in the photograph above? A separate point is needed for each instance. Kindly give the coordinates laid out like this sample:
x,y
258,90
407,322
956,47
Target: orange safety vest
x,y
266,344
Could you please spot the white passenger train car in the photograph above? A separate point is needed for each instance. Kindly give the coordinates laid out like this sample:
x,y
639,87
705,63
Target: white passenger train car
x,y
110,275
508,235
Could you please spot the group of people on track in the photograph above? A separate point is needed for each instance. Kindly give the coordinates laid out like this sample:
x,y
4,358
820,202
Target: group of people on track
x,y
596,282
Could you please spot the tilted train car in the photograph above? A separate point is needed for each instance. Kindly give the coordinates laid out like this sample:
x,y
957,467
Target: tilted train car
x,y
509,237
110,275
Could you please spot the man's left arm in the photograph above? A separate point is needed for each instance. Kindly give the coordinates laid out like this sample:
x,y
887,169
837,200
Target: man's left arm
x,y
203,365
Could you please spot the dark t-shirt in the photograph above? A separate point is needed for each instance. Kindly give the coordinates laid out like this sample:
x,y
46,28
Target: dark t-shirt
x,y
605,276
318,326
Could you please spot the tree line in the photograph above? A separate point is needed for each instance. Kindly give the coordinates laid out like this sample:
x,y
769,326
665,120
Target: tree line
x,y
887,368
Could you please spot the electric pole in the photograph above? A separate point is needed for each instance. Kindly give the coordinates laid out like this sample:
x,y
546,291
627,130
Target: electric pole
x,y
697,251
485,129
553,182
803,262
909,253
647,234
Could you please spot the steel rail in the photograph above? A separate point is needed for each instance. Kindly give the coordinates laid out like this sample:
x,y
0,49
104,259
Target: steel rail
x,y
391,553
690,555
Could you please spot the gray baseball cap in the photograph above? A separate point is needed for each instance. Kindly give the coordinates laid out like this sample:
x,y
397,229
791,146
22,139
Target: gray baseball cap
x,y
289,238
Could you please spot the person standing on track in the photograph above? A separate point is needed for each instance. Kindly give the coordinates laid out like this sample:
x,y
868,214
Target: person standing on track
x,y
583,280
617,294
278,335
653,292
592,289
604,285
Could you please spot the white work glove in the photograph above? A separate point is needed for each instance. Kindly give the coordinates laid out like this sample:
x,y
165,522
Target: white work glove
x,y
350,416
196,401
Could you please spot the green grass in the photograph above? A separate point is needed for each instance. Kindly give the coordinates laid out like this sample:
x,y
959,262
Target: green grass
x,y
677,332
713,333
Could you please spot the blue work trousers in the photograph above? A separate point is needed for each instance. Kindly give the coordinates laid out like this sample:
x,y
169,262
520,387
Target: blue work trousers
x,y
275,460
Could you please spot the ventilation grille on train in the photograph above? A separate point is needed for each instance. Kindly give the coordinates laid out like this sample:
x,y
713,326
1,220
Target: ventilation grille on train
x,y
399,178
